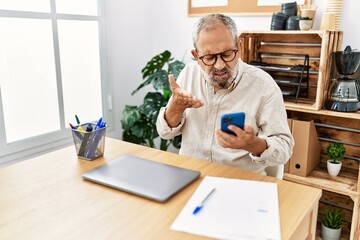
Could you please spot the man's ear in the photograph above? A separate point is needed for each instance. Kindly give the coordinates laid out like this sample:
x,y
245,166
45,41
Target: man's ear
x,y
194,54
239,48
239,44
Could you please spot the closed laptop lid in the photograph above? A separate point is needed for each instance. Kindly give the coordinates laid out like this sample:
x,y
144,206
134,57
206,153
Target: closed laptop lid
x,y
146,178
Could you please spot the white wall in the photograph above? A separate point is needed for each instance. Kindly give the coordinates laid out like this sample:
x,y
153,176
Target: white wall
x,y
129,46
138,30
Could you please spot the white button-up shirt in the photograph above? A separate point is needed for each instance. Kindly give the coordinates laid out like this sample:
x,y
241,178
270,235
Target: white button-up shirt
x,y
253,92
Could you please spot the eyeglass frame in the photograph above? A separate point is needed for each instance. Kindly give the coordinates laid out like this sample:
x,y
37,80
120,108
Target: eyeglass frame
x,y
216,56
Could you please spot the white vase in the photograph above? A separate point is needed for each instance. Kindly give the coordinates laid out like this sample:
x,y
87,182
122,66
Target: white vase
x,y
305,24
329,233
333,168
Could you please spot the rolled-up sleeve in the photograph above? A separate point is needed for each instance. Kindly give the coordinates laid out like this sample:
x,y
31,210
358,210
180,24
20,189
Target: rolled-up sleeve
x,y
163,128
278,152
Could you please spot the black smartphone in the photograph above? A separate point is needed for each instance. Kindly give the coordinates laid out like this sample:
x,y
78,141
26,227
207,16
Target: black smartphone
x,y
237,119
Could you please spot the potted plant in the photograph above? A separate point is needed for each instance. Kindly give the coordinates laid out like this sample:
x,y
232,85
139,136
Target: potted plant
x,y
335,153
331,223
305,23
139,122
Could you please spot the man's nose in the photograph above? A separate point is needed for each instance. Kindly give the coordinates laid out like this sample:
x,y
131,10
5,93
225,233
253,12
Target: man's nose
x,y
219,64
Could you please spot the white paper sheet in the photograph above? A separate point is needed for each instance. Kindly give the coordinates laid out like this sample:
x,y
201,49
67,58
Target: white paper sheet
x,y
238,209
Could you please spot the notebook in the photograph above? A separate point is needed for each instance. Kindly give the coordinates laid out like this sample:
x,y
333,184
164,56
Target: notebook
x,y
142,177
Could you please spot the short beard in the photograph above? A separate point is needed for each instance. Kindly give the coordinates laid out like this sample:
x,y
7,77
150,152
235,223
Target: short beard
x,y
221,83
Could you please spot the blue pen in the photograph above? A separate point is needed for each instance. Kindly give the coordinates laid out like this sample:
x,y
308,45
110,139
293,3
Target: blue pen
x,y
201,205
98,124
90,152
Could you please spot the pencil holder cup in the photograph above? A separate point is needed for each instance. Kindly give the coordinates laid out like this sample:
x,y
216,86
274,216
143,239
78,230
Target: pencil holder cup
x,y
89,145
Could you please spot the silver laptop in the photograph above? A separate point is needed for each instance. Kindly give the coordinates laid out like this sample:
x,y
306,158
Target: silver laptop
x,y
146,178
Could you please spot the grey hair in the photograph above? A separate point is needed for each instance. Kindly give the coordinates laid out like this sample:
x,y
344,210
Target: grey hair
x,y
210,21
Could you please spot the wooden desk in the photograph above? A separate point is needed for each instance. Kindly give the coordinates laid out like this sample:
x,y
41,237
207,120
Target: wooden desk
x,y
46,198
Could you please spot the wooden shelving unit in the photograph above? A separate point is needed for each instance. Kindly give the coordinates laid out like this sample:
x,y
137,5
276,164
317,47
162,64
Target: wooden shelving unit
x,y
347,183
348,115
330,125
318,45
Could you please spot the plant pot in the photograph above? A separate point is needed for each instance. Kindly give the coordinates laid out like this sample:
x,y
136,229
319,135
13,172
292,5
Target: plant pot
x,y
329,233
305,24
333,168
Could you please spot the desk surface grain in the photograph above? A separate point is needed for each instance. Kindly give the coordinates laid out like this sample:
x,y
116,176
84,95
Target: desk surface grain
x,y
46,198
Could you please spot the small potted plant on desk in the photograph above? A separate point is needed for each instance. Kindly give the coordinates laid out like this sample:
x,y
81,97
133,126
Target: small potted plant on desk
x,y
305,23
331,219
335,153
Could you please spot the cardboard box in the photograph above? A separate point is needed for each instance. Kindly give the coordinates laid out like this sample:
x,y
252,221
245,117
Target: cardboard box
x,y
307,150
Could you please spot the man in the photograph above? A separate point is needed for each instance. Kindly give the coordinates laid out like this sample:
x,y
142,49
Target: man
x,y
218,83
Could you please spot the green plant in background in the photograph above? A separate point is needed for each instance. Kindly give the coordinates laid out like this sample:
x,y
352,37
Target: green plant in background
x,y
335,152
139,122
332,218
305,18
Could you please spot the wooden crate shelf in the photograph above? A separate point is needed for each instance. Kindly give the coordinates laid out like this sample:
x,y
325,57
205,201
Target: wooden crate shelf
x,y
347,183
258,46
264,46
321,179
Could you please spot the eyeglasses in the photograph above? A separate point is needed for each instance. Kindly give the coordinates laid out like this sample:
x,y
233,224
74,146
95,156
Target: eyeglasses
x,y
211,59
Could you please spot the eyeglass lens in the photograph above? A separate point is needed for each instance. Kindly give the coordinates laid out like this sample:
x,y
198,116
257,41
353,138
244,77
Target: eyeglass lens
x,y
211,59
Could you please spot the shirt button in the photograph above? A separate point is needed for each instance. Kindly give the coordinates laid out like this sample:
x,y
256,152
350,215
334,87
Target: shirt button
x,y
275,154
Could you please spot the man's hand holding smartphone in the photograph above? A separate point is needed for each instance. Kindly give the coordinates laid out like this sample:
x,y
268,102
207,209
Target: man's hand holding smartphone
x,y
237,119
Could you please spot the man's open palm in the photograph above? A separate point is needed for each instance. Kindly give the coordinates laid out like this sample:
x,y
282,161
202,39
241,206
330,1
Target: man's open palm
x,y
182,99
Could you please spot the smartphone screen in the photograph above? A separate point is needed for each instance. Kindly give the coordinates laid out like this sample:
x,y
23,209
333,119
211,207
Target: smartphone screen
x,y
237,119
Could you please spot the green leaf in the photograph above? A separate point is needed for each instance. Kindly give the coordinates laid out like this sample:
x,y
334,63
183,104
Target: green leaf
x,y
153,101
176,141
176,67
147,82
130,115
336,152
332,217
144,129
167,94
159,79
156,63
129,137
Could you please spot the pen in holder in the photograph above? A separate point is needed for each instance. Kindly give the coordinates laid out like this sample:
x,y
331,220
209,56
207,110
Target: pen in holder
x,y
89,144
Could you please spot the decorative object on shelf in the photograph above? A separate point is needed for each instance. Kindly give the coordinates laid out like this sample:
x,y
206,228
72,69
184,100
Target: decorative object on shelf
x,y
305,23
289,8
139,122
308,10
278,21
328,21
335,8
335,153
292,23
286,19
344,95
331,219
